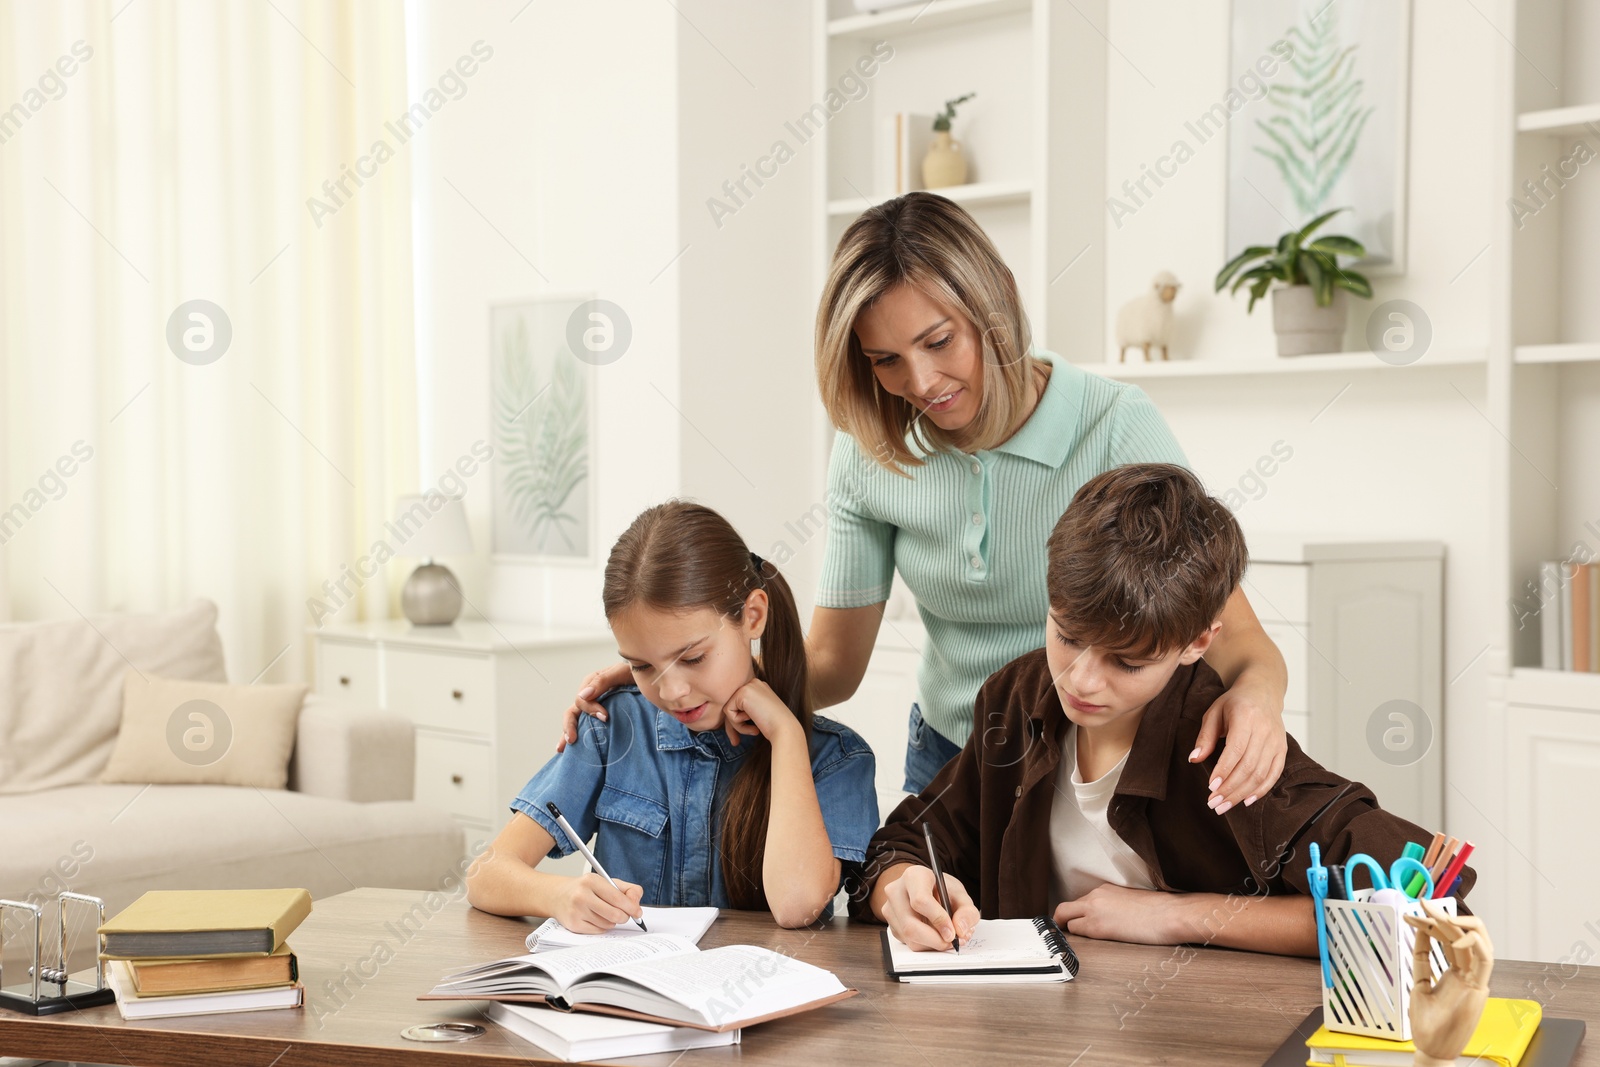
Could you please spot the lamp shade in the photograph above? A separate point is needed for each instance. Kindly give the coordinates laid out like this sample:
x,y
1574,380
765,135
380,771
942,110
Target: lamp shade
x,y
430,525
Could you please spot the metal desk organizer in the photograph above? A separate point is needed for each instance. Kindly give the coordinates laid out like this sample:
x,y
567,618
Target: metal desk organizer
x,y
67,994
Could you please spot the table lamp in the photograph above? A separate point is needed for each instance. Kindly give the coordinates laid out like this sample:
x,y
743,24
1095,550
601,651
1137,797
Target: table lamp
x,y
432,595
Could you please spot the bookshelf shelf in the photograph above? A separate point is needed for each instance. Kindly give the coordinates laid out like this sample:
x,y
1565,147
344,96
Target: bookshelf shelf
x,y
1565,353
1559,120
1331,363
973,194
920,18
1570,690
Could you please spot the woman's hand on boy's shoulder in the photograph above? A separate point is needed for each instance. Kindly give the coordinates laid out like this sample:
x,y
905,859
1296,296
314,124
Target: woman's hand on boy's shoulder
x,y
755,708
587,700
911,908
1254,749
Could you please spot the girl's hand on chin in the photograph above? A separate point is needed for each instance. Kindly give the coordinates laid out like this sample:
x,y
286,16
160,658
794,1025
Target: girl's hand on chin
x,y
755,709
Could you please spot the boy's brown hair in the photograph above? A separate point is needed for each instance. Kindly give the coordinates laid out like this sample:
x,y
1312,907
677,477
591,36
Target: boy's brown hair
x,y
1143,560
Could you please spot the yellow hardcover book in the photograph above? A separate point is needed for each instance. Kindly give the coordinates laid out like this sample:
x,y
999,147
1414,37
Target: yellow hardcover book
x,y
205,922
1502,1037
167,976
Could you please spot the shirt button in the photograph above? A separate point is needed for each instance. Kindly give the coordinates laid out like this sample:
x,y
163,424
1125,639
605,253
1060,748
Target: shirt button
x,y
977,518
977,468
1019,791
977,561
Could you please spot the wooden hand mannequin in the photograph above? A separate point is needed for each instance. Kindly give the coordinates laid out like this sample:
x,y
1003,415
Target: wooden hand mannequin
x,y
1445,1013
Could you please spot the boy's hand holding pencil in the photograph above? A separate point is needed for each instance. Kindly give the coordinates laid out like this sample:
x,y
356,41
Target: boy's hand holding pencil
x,y
915,916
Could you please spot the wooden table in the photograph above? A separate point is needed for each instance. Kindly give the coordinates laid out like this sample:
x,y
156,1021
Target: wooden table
x,y
366,955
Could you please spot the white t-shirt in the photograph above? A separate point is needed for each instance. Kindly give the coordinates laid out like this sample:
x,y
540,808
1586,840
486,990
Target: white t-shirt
x,y
1084,851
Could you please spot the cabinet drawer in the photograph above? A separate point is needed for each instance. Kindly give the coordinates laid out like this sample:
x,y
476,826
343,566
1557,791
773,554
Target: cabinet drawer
x,y
349,671
1278,591
1296,659
456,775
444,690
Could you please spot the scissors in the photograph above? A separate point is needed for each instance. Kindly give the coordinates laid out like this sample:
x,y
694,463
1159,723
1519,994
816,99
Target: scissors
x,y
1317,876
1390,888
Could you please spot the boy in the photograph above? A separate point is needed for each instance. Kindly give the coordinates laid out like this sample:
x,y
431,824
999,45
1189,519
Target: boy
x,y
1075,797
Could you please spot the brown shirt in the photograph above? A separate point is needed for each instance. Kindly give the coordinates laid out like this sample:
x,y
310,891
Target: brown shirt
x,y
989,808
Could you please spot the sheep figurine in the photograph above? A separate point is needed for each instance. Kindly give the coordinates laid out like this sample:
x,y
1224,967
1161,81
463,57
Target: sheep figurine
x,y
1146,321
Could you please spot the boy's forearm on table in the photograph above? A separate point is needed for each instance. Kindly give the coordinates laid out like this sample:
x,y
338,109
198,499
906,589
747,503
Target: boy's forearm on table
x,y
1285,925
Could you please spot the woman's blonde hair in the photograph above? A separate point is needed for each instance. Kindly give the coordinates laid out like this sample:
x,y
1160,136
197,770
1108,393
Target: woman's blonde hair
x,y
924,240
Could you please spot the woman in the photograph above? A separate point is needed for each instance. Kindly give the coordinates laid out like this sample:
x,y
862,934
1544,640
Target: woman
x,y
959,447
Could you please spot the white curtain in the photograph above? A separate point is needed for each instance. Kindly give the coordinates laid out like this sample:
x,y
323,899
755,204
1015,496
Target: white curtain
x,y
159,152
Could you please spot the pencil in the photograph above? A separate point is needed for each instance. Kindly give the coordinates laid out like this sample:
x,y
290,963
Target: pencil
x,y
938,880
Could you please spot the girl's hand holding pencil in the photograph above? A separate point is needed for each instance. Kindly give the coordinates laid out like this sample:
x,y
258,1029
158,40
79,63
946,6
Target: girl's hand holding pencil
x,y
591,904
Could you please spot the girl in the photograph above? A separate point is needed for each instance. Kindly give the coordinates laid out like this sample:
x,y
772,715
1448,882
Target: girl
x,y
688,812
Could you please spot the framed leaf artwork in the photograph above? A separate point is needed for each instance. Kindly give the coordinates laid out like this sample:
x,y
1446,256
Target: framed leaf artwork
x,y
1330,127
542,410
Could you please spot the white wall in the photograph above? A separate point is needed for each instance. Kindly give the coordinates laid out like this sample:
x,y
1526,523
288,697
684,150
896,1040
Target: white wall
x,y
566,147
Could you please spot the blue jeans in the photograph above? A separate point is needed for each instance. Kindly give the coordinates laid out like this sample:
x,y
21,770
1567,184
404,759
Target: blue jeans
x,y
927,751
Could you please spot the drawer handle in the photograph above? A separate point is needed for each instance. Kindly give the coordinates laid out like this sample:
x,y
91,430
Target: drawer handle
x,y
344,679
455,779
455,694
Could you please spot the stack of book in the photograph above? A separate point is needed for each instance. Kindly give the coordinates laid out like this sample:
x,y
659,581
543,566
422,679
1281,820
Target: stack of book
x,y
1569,616
201,952
1502,1038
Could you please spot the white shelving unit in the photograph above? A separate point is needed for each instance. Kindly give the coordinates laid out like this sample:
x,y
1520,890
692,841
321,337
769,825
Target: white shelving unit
x,y
1544,387
1331,363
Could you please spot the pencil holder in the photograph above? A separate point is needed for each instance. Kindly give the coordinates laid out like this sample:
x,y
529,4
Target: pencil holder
x,y
1369,956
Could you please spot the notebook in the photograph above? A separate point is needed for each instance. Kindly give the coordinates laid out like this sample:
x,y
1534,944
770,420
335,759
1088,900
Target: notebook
x,y
690,924
577,1038
1504,1031
1000,951
1555,1044
136,1007
205,922
656,977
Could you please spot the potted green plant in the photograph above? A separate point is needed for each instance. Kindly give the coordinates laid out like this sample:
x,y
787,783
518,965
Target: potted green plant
x,y
945,164
1309,306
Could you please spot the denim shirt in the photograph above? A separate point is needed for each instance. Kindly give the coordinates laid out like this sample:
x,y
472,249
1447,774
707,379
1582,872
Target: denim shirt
x,y
653,791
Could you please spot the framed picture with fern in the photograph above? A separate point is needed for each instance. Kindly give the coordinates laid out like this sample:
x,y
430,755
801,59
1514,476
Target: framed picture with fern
x,y
1330,130
543,414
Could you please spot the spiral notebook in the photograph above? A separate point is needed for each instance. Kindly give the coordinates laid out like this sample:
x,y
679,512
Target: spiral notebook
x,y
999,951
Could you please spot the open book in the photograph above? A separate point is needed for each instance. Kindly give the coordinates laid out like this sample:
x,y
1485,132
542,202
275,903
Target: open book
x,y
999,950
657,977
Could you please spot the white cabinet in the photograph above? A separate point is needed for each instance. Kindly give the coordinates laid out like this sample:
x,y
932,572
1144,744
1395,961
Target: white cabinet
x,y
486,699
1360,625
1552,788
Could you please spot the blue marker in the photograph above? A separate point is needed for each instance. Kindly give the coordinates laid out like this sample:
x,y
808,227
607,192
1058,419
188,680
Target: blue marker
x,y
1317,876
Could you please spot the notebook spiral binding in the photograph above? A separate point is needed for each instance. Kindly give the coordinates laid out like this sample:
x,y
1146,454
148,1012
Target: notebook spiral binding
x,y
1056,939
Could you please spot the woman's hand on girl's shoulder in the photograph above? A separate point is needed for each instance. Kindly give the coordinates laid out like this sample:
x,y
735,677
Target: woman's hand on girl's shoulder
x,y
754,708
595,686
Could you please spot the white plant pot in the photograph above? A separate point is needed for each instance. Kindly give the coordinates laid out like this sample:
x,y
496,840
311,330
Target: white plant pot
x,y
1302,327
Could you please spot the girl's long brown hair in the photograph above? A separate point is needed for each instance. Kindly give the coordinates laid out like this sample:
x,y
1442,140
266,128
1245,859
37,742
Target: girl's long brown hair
x,y
679,556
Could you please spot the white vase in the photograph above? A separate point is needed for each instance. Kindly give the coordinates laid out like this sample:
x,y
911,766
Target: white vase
x,y
1302,327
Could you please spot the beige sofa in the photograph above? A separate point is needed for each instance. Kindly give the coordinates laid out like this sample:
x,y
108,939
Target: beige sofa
x,y
345,820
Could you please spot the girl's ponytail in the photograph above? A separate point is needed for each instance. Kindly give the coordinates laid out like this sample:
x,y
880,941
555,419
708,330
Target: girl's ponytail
x,y
679,556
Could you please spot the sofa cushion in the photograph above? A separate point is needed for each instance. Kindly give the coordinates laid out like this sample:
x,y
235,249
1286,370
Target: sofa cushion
x,y
117,841
61,687
204,733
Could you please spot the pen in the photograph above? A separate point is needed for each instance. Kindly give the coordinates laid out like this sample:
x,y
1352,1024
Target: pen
x,y
572,835
1337,890
938,880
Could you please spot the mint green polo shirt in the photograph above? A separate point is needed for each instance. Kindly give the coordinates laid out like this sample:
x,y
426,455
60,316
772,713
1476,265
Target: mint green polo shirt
x,y
967,532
